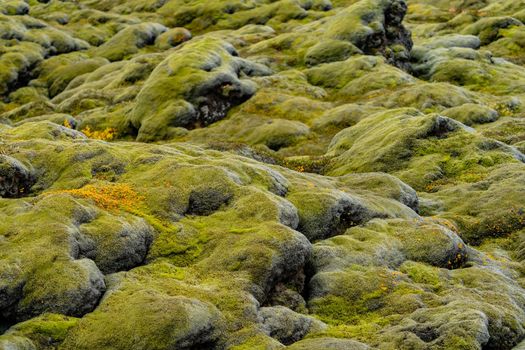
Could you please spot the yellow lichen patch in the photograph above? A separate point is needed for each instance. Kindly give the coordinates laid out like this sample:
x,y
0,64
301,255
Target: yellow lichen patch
x,y
67,124
107,134
109,196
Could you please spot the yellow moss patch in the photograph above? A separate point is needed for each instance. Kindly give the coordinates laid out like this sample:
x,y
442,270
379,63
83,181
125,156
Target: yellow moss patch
x,y
109,196
107,134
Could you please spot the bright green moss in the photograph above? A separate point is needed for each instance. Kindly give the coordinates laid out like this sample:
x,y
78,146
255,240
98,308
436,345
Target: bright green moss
x,y
470,114
423,274
128,41
330,51
47,330
337,310
59,73
198,73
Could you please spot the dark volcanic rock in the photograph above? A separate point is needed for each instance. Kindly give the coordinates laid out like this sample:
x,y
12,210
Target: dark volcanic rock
x,y
15,178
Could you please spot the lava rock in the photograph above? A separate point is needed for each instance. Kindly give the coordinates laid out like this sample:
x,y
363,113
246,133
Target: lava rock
x,y
15,178
286,325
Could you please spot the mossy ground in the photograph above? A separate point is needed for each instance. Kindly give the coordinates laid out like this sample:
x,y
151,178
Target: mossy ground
x,y
170,167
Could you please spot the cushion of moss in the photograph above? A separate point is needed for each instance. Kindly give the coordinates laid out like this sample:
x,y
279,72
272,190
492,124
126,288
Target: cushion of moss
x,y
383,185
46,245
358,21
470,114
369,134
70,288
124,249
330,51
16,62
466,67
344,296
201,303
511,44
487,29
56,118
58,71
278,133
390,243
270,14
453,40
427,98
262,253
342,117
172,38
507,129
129,40
146,320
253,339
284,104
326,213
491,208
27,95
45,331
251,130
168,196
45,129
359,77
14,7
16,177
467,330
205,66
29,110
338,74
47,279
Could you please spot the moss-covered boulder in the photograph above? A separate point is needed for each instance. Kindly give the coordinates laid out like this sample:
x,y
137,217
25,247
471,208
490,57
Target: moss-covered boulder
x,y
172,38
287,326
330,51
130,40
322,215
210,86
470,114
42,332
374,27
187,323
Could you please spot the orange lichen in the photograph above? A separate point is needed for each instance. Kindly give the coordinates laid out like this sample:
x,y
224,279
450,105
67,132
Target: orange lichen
x,y
107,134
109,196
